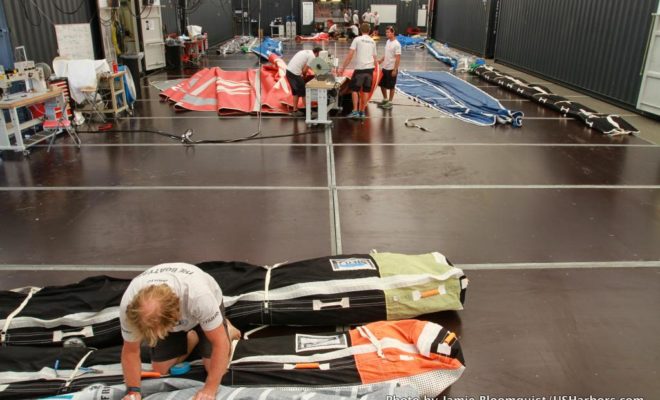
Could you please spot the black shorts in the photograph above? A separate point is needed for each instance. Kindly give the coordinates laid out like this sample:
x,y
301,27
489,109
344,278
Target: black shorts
x,y
175,345
387,81
297,84
362,80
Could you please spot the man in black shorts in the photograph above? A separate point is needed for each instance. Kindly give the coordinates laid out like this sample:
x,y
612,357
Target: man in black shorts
x,y
295,71
363,48
390,68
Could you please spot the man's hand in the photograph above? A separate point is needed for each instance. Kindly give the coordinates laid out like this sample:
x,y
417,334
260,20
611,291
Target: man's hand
x,y
395,71
205,394
341,71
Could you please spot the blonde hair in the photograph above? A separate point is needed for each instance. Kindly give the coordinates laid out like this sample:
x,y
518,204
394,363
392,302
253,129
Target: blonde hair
x,y
153,312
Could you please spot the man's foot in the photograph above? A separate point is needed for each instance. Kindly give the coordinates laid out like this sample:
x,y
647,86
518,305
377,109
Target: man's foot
x,y
234,334
382,103
298,113
354,115
363,115
387,106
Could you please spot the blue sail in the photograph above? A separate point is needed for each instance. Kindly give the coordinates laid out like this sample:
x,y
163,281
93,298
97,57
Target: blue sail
x,y
453,96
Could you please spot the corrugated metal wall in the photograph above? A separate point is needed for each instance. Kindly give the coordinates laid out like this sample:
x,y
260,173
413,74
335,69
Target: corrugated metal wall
x,y
270,9
29,28
406,11
214,16
594,45
463,24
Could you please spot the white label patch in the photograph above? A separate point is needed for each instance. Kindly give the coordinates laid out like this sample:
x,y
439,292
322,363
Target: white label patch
x,y
351,264
313,342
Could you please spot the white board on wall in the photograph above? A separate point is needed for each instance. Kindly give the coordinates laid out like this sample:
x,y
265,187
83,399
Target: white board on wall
x,y
75,41
386,13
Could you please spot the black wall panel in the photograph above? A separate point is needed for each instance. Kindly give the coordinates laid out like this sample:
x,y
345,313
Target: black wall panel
x,y
464,24
214,16
31,24
594,45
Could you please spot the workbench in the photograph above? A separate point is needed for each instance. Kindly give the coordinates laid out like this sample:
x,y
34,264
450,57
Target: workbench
x,y
12,130
319,91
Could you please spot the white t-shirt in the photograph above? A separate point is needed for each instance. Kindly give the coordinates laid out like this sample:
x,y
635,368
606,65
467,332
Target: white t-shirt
x,y
355,30
392,49
299,61
375,18
366,17
333,28
356,19
347,18
365,50
199,296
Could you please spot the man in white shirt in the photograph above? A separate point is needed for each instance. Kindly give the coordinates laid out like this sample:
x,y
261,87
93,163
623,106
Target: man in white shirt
x,y
389,65
295,70
356,18
353,31
333,31
174,307
366,17
347,17
363,48
375,18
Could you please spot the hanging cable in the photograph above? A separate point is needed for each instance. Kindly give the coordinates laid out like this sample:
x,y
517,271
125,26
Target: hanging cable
x,y
26,15
69,12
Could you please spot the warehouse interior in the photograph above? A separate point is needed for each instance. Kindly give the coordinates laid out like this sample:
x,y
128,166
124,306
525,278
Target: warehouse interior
x,y
555,223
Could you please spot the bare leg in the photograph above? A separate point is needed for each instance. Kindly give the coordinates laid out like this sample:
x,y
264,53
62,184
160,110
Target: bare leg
x,y
356,101
363,101
164,366
384,92
391,94
295,103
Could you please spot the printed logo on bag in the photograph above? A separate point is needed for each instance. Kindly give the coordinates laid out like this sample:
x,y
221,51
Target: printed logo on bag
x,y
313,342
351,264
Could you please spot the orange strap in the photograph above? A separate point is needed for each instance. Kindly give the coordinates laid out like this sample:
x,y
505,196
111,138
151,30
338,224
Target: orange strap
x,y
429,293
308,366
150,374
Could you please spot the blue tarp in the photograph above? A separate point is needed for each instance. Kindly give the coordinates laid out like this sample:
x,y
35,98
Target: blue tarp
x,y
267,47
407,41
453,96
452,62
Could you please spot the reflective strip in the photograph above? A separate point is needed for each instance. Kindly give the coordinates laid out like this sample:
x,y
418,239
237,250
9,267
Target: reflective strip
x,y
386,343
74,320
198,101
264,394
366,333
203,87
7,322
426,338
49,374
342,286
235,393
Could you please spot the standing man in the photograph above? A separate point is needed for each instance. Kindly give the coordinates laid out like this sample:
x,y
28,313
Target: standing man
x,y
390,68
366,17
347,16
174,307
356,18
363,48
295,71
376,20
353,31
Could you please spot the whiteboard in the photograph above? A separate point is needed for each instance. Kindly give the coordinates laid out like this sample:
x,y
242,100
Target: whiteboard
x,y
386,12
421,17
75,41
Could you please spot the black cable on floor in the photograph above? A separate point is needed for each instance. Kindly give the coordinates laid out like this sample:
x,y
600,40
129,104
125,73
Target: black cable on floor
x,y
186,137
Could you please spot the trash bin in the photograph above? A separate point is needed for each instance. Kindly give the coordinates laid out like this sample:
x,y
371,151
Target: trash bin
x,y
132,61
173,55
